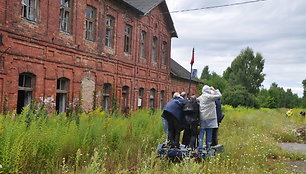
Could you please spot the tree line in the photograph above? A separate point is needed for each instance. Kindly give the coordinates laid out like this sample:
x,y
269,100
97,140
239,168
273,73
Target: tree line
x,y
241,84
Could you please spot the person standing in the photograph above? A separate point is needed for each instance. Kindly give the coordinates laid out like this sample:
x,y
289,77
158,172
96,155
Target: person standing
x,y
208,116
220,117
173,113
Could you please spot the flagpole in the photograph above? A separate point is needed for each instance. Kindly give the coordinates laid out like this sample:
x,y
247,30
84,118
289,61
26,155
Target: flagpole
x,y
188,94
191,63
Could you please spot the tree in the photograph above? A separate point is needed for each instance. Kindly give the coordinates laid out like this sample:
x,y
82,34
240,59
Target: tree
x,y
246,70
239,96
216,81
304,94
205,73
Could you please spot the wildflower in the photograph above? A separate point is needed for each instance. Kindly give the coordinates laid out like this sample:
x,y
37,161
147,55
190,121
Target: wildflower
x,y
0,166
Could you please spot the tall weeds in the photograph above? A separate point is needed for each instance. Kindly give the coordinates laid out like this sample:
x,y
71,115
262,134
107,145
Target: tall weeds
x,y
34,142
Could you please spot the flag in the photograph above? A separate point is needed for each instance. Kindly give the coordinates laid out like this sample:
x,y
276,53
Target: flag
x,y
192,59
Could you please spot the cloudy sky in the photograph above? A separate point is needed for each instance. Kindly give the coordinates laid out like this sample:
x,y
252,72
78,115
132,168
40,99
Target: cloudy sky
x,y
274,28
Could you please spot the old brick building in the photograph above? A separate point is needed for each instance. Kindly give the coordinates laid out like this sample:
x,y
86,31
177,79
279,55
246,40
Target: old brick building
x,y
64,52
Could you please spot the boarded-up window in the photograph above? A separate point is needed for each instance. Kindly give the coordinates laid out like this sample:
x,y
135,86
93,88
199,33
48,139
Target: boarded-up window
x,y
88,88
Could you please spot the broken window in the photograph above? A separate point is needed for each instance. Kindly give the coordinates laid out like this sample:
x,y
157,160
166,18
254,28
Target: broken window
x,y
25,90
106,96
143,44
152,98
154,49
162,98
29,9
110,28
127,39
62,94
164,53
90,23
140,98
65,16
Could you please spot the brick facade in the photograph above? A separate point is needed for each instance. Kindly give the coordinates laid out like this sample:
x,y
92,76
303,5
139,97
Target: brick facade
x,y
39,49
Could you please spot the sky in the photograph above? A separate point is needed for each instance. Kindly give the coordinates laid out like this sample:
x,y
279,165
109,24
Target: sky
x,y
274,28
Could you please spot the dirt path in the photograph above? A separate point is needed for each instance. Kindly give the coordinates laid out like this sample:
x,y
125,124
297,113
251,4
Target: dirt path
x,y
293,147
295,166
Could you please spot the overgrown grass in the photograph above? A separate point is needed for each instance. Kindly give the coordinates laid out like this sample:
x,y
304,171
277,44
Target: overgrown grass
x,y
33,142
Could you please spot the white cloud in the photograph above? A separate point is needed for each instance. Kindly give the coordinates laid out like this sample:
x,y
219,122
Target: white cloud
x,y
276,29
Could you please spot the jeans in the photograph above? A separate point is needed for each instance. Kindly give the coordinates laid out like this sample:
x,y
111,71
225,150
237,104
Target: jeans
x,y
165,123
208,137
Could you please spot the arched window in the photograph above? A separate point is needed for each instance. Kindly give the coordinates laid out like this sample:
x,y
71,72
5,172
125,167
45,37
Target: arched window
x,y
140,98
125,100
152,98
154,50
143,39
25,90
106,96
164,53
110,30
128,39
62,89
162,99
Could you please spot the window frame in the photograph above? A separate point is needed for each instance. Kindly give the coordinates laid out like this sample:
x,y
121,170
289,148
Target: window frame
x,y
152,98
162,99
143,40
65,22
154,49
110,31
90,22
141,92
62,91
29,11
127,39
25,90
107,87
164,53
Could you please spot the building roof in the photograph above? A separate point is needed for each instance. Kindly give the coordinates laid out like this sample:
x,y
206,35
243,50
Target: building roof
x,y
178,71
145,6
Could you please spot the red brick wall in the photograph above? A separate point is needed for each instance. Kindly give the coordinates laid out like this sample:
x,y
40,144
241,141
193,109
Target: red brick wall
x,y
41,49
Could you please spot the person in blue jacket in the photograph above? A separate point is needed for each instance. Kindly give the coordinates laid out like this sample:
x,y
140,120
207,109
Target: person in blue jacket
x,y
220,117
173,113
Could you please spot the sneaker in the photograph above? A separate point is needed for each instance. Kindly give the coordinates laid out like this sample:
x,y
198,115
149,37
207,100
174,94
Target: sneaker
x,y
211,153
